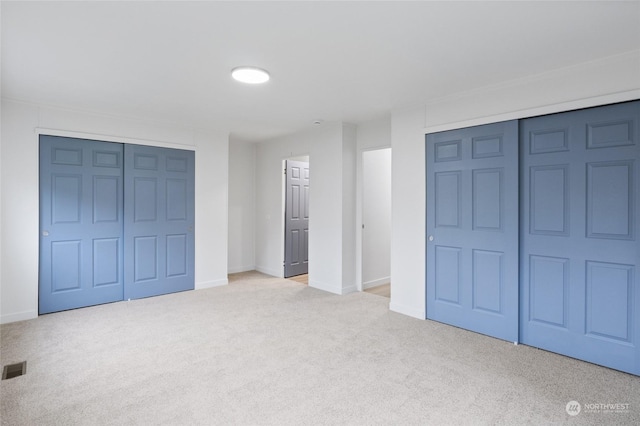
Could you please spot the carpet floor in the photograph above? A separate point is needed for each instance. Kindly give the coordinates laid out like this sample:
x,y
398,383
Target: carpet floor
x,y
269,351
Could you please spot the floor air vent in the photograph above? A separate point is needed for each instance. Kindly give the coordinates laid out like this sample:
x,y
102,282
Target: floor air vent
x,y
14,370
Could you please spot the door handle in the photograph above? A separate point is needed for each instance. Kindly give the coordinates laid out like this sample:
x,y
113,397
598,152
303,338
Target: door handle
x,y
430,237
45,233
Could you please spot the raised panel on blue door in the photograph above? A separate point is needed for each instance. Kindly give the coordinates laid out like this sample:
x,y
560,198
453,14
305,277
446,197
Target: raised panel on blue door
x,y
305,201
66,196
447,195
66,156
305,245
176,255
448,151
145,258
487,199
145,161
610,134
106,258
177,164
176,199
610,199
486,146
548,140
145,208
106,193
609,299
549,200
487,280
447,267
67,256
106,159
549,290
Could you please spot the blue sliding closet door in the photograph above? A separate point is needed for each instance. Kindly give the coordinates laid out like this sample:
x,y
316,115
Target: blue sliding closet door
x,y
159,221
580,247
81,246
472,228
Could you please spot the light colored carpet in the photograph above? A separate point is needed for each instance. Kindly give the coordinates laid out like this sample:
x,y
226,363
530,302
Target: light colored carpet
x,y
268,351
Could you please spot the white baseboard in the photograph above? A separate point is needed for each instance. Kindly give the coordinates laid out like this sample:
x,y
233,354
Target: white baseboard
x,y
210,284
270,271
237,269
18,316
332,288
349,289
376,283
407,310
325,287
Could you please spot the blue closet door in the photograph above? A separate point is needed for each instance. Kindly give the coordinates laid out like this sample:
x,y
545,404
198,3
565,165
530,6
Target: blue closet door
x,y
159,221
472,228
580,247
81,247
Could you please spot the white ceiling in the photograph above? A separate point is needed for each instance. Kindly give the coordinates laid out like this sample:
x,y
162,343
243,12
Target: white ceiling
x,y
342,61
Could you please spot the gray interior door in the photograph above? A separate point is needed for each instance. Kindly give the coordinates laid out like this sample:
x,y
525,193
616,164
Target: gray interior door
x,y
580,248
296,241
472,228
159,221
81,247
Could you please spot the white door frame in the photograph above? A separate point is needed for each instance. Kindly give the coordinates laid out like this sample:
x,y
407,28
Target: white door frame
x,y
360,211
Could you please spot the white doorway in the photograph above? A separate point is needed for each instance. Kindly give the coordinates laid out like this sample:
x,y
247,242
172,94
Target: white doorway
x,y
376,220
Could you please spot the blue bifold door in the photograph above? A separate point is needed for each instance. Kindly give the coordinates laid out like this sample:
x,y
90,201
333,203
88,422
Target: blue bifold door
x,y
472,228
580,248
159,220
116,221
81,223
541,247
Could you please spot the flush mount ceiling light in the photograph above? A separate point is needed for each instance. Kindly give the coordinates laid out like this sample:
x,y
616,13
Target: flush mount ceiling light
x,y
250,75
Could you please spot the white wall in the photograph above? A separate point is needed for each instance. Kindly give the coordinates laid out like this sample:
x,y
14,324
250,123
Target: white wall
x,y
19,197
609,80
330,257
349,139
605,79
376,217
408,225
242,164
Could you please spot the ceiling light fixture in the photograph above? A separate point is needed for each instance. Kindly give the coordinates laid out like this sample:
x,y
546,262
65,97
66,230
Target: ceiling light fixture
x,y
250,75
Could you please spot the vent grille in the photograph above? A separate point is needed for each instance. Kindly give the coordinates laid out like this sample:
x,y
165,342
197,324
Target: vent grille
x,y
14,370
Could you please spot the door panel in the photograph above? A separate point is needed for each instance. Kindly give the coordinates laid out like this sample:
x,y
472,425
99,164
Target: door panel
x,y
472,215
159,220
296,218
81,247
580,250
